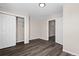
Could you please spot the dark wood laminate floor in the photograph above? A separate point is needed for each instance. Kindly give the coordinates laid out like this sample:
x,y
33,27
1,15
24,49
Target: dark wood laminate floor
x,y
35,48
52,38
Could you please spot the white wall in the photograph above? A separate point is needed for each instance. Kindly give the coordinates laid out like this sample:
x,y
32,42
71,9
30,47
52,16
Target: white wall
x,y
38,26
35,28
44,29
59,30
8,31
71,28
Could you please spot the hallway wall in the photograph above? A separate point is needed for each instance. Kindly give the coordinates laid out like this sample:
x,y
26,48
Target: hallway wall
x,y
71,28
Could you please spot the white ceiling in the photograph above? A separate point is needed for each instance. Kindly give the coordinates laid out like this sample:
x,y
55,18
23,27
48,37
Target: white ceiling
x,y
32,9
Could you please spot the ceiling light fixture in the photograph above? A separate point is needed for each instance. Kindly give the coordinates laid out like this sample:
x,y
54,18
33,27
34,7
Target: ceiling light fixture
x,y
42,5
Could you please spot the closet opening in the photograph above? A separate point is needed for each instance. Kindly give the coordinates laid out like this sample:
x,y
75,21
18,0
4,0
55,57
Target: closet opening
x,y
19,30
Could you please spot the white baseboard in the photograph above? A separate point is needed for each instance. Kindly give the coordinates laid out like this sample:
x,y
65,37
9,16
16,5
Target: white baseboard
x,y
19,41
70,52
34,38
59,43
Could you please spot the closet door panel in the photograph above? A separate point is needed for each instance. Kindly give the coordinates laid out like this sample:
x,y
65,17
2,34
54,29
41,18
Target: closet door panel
x,y
8,26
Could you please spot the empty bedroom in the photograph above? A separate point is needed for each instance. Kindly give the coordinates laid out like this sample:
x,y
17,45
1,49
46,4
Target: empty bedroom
x,y
31,29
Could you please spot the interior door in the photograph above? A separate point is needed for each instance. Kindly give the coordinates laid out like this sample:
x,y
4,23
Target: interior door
x,y
8,31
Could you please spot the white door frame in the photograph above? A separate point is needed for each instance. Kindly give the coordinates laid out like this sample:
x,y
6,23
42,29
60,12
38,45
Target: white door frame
x,y
26,30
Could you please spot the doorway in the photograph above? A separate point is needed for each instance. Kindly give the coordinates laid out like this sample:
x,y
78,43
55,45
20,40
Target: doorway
x,y
52,30
19,29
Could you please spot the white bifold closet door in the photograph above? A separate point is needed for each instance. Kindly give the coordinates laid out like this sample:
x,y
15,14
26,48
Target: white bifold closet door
x,y
7,31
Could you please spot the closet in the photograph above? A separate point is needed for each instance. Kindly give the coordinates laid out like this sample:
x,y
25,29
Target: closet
x,y
13,29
